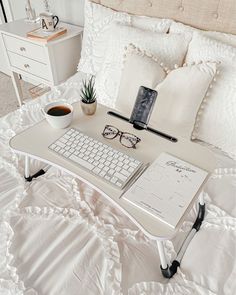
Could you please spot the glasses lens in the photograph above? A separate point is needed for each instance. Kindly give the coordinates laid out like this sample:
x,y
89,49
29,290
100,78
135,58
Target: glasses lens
x,y
110,132
129,140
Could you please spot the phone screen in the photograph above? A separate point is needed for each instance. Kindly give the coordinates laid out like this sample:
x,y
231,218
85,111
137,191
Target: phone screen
x,y
143,107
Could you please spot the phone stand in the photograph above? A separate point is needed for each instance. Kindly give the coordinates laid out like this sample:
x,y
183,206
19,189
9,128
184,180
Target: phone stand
x,y
139,125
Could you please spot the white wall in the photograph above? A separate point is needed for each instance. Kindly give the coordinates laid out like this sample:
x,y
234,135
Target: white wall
x,y
70,11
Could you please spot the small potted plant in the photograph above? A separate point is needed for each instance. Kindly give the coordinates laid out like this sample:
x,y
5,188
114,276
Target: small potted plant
x,y
88,97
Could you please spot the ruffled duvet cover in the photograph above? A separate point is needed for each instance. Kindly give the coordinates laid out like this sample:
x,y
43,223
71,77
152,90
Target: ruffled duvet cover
x,y
58,236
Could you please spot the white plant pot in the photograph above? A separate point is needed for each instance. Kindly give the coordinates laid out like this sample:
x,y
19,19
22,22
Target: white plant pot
x,y
88,108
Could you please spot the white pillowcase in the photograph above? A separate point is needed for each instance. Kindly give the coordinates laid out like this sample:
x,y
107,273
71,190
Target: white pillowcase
x,y
170,49
140,69
216,123
180,96
222,37
97,21
180,92
153,24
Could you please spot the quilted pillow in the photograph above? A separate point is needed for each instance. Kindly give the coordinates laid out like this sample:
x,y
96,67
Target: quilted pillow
x,y
216,122
170,49
222,37
97,21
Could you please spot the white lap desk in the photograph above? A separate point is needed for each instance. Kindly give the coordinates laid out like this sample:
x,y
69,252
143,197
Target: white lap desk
x,y
35,140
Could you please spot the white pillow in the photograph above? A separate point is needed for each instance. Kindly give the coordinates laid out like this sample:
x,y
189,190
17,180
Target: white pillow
x,y
229,39
97,21
153,24
216,123
180,96
140,69
170,49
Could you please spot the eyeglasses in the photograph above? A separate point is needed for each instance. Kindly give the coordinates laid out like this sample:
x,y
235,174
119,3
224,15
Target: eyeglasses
x,y
126,139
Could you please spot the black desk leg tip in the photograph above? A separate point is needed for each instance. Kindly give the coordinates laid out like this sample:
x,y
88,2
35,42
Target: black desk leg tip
x,y
170,271
37,174
200,217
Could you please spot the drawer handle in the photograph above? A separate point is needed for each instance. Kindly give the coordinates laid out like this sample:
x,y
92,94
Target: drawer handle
x,y
26,66
22,49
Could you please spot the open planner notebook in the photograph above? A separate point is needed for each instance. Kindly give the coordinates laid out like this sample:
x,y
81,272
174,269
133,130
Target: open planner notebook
x,y
166,188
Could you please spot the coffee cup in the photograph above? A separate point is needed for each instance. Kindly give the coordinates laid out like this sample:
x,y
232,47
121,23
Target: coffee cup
x,y
58,114
48,21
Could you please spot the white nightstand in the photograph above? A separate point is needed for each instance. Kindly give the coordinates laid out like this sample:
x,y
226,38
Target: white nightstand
x,y
48,63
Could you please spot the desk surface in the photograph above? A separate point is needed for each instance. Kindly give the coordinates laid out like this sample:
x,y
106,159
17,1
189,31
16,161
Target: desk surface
x,y
35,140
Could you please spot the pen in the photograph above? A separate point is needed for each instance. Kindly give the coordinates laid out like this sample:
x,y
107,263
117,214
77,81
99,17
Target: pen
x,y
134,178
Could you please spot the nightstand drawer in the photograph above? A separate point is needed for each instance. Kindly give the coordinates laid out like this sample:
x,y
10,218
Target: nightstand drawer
x,y
28,65
25,48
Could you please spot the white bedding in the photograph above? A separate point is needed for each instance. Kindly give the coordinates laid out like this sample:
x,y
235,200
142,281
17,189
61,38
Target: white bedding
x,y
59,236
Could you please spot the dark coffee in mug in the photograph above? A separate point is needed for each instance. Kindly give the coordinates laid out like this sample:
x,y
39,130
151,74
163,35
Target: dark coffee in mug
x,y
59,111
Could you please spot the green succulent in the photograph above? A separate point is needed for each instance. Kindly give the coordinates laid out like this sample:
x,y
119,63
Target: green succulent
x,y
88,93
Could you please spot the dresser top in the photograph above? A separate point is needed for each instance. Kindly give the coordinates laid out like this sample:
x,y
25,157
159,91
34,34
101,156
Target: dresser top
x,y
20,28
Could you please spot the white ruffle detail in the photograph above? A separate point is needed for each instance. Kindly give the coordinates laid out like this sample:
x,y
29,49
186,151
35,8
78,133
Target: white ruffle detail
x,y
10,209
8,287
203,105
12,285
132,49
171,288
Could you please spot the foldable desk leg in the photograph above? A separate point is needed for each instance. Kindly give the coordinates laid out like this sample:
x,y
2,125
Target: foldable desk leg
x,y
28,177
27,167
169,271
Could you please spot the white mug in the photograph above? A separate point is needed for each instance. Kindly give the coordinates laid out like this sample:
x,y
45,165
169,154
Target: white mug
x,y
48,21
59,114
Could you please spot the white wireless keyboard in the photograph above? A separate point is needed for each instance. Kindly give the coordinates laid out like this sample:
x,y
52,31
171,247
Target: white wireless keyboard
x,y
100,159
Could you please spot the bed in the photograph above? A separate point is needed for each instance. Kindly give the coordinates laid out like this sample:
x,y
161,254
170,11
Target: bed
x,y
59,236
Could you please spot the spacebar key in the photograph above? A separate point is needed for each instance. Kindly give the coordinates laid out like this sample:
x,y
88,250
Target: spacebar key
x,y
81,162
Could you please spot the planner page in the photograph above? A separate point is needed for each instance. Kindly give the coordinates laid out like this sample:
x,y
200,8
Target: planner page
x,y
166,188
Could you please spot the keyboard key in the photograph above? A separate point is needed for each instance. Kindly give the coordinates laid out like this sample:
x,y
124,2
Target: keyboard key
x,y
102,173
134,165
57,148
96,170
111,171
125,172
120,176
60,144
67,154
107,177
131,169
100,166
82,162
114,179
119,184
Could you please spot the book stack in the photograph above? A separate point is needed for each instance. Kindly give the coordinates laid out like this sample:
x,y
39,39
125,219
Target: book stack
x,y
43,36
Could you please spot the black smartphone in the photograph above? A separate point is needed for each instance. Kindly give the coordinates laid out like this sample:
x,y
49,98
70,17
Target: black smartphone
x,y
143,107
